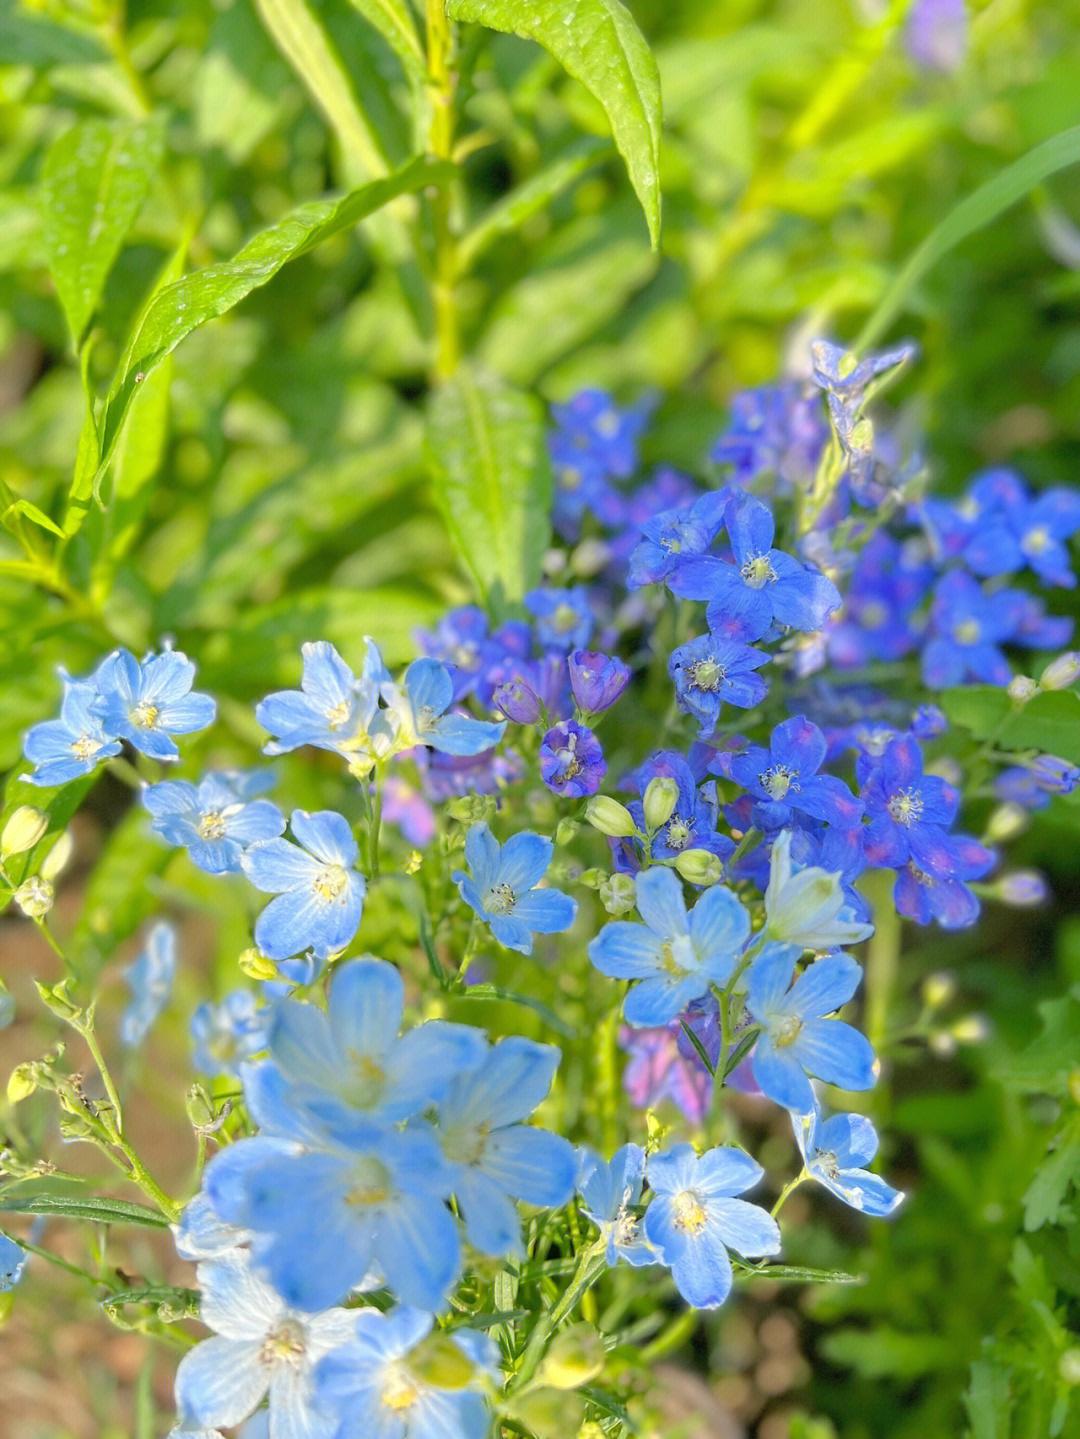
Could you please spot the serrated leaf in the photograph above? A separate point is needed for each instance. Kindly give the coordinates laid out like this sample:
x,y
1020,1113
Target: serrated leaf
x,y
1045,1065
94,1209
597,42
487,451
189,302
1055,1176
93,183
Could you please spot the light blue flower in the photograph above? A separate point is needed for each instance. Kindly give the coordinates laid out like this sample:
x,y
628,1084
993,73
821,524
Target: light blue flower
x,y
215,820
693,1219
12,1263
675,956
494,1158
502,887
351,1055
374,1391
417,714
150,980
260,1346
796,1038
609,1193
228,1033
75,744
332,709
836,1152
201,1233
320,896
145,703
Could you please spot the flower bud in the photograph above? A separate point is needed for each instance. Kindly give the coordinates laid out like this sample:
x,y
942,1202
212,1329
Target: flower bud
x,y
469,808
938,989
1022,887
1021,688
1054,775
1006,822
618,894
22,1083
22,831
35,897
592,878
257,966
442,1363
597,680
565,830
610,817
700,866
973,1029
661,796
928,722
55,997
576,1356
56,859
518,701
1059,674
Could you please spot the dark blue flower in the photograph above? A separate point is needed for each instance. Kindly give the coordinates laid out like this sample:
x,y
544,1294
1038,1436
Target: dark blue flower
x,y
784,779
593,434
215,820
673,536
502,887
146,703
774,429
73,745
597,680
969,628
692,823
878,620
564,618
571,760
320,896
924,895
908,810
710,672
1015,530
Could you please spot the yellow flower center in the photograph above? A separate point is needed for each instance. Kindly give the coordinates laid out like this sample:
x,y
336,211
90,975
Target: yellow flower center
x,y
330,882
144,714
967,632
283,1345
690,1217
85,747
500,899
758,572
788,1031
212,824
706,675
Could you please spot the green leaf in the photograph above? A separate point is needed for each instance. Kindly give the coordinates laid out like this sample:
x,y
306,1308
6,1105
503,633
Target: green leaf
x,y
33,514
189,302
796,1274
93,184
987,1401
598,43
1045,1066
394,22
1049,722
488,456
972,213
87,455
1058,1172
94,1209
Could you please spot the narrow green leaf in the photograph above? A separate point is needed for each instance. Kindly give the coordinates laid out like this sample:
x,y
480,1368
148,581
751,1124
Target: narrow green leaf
x,y
598,43
94,1209
988,1402
797,1273
492,478
189,302
969,215
87,456
93,182
509,996
33,514
394,22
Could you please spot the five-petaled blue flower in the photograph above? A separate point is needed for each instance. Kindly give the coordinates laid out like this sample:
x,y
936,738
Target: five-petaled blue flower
x,y
145,703
908,810
564,618
784,778
320,896
969,628
710,672
417,714
502,887
73,745
610,1192
693,1219
836,1152
216,819
796,1038
332,709
228,1033
150,980
572,760
675,956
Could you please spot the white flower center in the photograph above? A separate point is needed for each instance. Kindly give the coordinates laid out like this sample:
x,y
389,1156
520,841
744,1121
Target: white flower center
x,y
690,1217
967,632
905,807
500,899
757,572
778,780
330,882
85,747
284,1345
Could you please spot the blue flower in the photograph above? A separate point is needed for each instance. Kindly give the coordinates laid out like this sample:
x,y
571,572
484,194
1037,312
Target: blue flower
x,y
836,1152
12,1263
502,887
564,618
494,1157
320,896
596,680
924,895
228,1033
877,622
785,779
201,1233
840,373
332,709
145,703
908,810
150,980
260,1346
675,957
351,1056
673,536
571,760
692,823
694,1218
763,585
73,745
609,1194
591,430
796,1039
969,628
710,672
215,820
776,430
376,1387
417,714
1014,529
937,33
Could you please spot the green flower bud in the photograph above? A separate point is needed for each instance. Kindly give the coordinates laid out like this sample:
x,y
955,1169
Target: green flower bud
x,y
257,966
565,830
698,866
938,989
549,1413
22,1083
618,893
1006,822
22,831
57,857
610,817
35,897
576,1356
661,796
1021,688
1069,1366
1059,674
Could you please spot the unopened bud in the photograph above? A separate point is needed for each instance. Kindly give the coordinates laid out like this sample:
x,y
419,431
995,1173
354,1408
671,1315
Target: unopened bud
x,y
576,1356
1023,887
22,831
199,1107
661,796
565,830
1006,822
55,997
610,817
56,859
256,965
469,808
35,897
22,1083
592,878
938,989
441,1363
972,1029
1059,674
618,894
1021,688
699,866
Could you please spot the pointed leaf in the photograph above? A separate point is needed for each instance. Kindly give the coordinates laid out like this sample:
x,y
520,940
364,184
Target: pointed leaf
x,y
92,1208
394,22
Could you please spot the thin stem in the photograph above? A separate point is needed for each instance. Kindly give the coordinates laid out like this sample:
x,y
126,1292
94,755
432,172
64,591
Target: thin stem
x,y
787,1190
673,1337
591,1265
443,85
52,1258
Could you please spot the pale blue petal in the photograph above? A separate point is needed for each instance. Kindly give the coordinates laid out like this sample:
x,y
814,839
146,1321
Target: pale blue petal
x,y
781,1078
658,1000
516,1076
673,1169
492,1223
419,1250
290,924
275,865
301,1043
626,951
512,932
424,1063
327,678
702,1273
523,861
235,1301
660,902
326,834
719,926
220,1381
366,1002
725,1171
482,855
531,1164
824,986
746,1228
459,735
257,820
837,1053
429,686
546,911
769,977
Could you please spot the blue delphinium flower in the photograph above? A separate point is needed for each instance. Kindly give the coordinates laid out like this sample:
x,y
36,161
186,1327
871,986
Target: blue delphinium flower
x,y
320,896
710,672
590,428
839,372
73,745
908,810
796,1038
572,762
150,980
774,429
494,1157
969,628
609,1193
564,618
879,617
350,1054
692,822
216,819
693,1219
671,537
228,1033
12,1263
784,778
417,714
260,1346
943,894
675,956
597,680
502,887
1011,529
762,586
146,703
201,1233
836,1152
332,709
371,1389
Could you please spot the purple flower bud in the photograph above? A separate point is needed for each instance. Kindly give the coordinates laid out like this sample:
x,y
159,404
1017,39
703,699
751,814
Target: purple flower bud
x,y
571,760
597,680
1023,887
1054,775
928,722
518,701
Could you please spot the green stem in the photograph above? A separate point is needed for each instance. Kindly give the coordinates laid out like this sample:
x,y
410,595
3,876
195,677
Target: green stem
x,y
673,1337
882,955
443,85
787,1190
52,1258
591,1265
